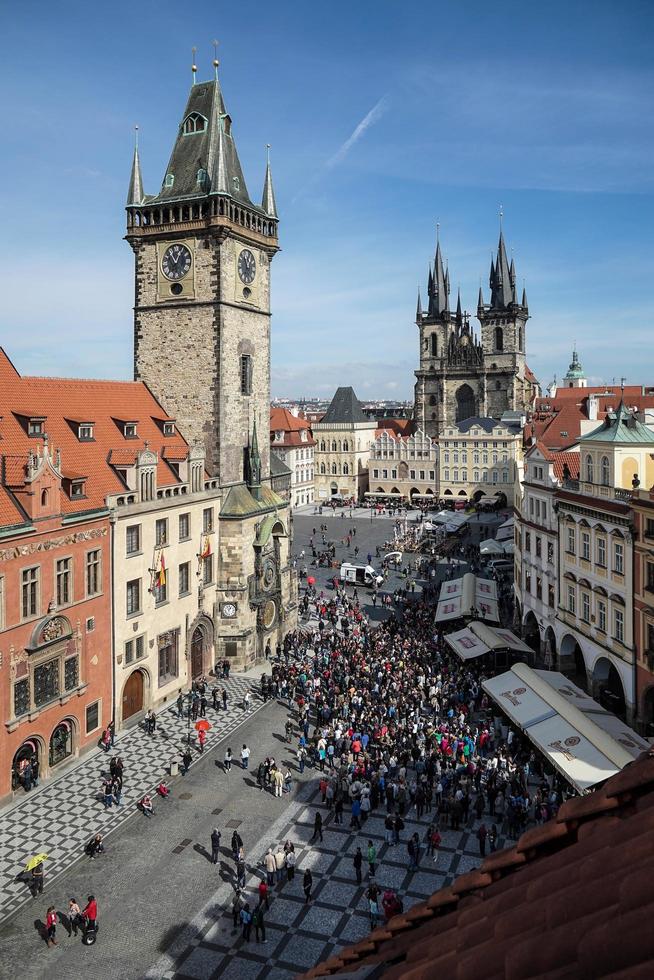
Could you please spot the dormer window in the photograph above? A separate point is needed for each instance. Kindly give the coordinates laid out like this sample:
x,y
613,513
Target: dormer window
x,y
129,430
195,123
85,432
78,488
202,178
170,180
237,184
35,427
169,428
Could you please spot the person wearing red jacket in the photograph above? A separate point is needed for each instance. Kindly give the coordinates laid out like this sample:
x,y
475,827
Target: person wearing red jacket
x,y
90,913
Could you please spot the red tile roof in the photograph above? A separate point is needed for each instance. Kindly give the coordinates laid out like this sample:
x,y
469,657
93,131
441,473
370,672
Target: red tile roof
x,y
281,420
65,399
10,512
572,899
401,427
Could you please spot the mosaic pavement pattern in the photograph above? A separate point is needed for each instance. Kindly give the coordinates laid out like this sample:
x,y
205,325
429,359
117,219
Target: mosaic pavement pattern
x,y
62,814
299,935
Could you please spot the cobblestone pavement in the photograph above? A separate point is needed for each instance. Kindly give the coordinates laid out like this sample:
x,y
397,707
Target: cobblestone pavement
x,y
62,815
299,935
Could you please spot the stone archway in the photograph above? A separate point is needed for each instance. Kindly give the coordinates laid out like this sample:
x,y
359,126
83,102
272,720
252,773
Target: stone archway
x,y
607,687
531,632
62,742
133,700
32,751
572,662
200,647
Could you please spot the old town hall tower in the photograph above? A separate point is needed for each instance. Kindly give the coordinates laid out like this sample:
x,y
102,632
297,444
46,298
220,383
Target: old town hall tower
x,y
202,253
202,306
462,375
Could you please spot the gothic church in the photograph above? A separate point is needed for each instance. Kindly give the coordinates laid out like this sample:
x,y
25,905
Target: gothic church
x,y
462,375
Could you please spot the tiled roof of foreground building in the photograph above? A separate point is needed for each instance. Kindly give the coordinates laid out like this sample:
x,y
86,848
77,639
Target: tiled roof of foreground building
x,y
573,898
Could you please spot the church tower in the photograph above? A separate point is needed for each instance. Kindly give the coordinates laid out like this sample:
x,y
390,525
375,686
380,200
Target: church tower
x,y
503,338
202,252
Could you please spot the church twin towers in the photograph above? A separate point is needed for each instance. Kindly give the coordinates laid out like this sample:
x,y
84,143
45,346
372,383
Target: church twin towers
x,y
461,375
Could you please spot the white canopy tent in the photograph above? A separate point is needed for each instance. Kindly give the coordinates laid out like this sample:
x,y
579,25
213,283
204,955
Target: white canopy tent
x,y
468,596
506,531
479,638
491,547
583,741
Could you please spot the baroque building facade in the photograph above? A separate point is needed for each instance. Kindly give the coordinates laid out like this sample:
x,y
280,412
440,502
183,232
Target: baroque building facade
x,y
403,468
292,443
203,251
461,374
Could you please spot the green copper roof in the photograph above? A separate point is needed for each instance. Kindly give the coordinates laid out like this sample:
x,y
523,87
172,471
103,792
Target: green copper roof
x,y
575,369
621,427
240,502
265,529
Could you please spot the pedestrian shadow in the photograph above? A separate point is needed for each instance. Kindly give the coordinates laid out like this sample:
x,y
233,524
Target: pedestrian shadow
x,y
40,927
199,849
249,782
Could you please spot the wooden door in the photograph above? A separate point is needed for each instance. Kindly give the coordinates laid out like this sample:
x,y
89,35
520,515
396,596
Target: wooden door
x,y
133,695
197,648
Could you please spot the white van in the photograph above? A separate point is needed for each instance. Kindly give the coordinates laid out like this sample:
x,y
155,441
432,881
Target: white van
x,y
360,575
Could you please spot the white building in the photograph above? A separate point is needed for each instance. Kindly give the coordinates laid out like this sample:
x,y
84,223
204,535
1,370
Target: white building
x,y
481,456
292,442
404,467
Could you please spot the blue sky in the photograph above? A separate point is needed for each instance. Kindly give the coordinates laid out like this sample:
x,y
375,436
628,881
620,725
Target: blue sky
x,y
383,117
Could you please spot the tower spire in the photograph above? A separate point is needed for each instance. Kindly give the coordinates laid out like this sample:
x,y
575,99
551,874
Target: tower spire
x,y
459,314
135,192
268,198
254,464
440,282
419,308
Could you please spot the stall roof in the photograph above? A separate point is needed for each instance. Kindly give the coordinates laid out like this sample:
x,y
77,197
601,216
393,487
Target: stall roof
x,y
479,638
583,741
467,596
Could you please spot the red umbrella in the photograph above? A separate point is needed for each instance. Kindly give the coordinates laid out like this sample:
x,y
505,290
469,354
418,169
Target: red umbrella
x,y
311,580
202,725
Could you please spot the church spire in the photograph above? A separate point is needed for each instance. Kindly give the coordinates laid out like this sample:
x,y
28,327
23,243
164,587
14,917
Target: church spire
x,y
254,465
459,314
268,198
419,308
135,193
438,298
524,299
502,277
480,301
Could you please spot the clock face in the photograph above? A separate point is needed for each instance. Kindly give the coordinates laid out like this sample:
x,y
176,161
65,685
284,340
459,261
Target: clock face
x,y
269,614
247,267
176,262
229,610
269,574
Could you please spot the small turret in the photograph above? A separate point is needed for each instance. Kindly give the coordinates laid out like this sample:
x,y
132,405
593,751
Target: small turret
x,y
268,198
135,193
419,309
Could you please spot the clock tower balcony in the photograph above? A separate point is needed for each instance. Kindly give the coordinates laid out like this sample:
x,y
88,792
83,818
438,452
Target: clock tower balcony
x,y
175,219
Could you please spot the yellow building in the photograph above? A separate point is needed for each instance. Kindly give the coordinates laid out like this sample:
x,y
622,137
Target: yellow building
x,y
481,456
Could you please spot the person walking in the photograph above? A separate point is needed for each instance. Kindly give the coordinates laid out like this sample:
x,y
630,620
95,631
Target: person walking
x,y
247,698
357,861
263,894
259,924
227,761
237,905
317,827
307,885
90,914
280,862
482,834
187,759
215,845
278,782
290,865
372,859
240,871
51,926
246,921
223,695
413,848
75,916
36,883
245,756
269,862
202,738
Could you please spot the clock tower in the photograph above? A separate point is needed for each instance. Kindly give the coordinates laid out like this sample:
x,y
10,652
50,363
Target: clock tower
x,y
203,252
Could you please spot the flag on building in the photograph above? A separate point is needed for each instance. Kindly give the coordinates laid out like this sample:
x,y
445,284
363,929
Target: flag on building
x,y
161,574
205,549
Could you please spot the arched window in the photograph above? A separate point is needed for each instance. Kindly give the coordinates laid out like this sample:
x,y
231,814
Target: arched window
x,y
519,338
346,469
498,385
345,446
333,445
434,345
322,446
333,469
604,466
195,123
499,338
44,498
589,469
323,468
432,399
